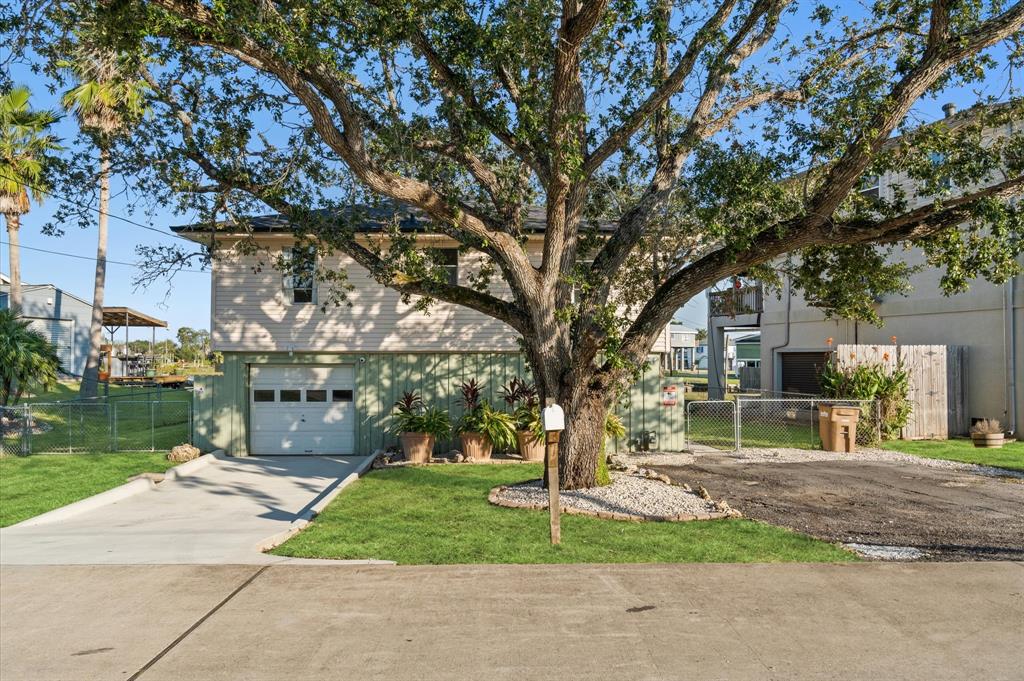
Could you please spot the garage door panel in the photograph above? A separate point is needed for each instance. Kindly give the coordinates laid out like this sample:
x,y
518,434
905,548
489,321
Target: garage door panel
x,y
302,427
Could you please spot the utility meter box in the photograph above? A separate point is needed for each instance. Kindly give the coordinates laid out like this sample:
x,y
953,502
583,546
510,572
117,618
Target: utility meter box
x,y
553,418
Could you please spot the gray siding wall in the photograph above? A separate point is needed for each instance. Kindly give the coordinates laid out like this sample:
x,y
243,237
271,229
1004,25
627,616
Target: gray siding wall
x,y
46,303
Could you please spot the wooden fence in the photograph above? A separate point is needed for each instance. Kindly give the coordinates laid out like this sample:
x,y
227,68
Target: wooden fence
x,y
938,384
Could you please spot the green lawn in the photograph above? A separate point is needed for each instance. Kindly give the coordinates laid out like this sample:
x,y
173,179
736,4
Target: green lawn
x,y
68,390
1010,455
35,484
440,514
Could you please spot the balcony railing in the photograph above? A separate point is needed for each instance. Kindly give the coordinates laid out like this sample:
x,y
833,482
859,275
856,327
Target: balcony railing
x,y
737,301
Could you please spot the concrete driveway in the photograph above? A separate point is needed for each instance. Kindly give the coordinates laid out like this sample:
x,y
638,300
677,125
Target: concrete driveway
x,y
920,621
221,513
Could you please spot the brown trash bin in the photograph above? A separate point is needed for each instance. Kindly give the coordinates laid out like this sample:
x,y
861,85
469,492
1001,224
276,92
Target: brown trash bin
x,y
838,427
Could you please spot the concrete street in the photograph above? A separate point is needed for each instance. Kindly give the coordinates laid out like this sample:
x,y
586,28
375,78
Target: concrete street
x,y
923,621
218,514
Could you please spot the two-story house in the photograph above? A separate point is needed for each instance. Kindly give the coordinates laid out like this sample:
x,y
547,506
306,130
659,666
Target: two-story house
x,y
297,379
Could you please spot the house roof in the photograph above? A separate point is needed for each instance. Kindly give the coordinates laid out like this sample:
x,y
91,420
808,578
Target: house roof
x,y
369,219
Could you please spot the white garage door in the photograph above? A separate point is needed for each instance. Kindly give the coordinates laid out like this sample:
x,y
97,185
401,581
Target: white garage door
x,y
302,409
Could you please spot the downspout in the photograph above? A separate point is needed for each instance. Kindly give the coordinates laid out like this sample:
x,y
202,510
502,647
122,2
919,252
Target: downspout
x,y
1010,338
785,343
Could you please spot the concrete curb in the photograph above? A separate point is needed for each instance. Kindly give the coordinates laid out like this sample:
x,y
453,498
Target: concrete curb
x,y
119,493
313,511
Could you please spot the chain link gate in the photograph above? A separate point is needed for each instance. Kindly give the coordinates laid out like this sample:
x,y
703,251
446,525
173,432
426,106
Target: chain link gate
x,y
712,423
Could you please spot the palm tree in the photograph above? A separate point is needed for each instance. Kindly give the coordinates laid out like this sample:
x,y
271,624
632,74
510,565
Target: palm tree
x,y
24,148
27,359
106,100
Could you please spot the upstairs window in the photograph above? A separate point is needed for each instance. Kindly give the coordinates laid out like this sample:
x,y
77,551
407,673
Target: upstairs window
x,y
939,159
450,262
871,186
300,277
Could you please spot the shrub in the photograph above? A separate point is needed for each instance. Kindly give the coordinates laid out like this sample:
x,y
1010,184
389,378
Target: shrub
x,y
987,427
480,417
27,360
412,416
871,382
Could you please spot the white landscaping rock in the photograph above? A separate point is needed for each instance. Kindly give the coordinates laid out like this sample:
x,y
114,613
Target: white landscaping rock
x,y
627,494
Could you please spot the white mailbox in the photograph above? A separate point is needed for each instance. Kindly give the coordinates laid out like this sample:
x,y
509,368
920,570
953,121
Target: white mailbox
x,y
553,418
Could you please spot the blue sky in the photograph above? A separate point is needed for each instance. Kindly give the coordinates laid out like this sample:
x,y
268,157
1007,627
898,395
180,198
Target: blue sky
x,y
186,300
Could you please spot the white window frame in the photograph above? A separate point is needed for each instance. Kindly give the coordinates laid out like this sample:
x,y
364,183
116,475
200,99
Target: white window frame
x,y
868,190
288,280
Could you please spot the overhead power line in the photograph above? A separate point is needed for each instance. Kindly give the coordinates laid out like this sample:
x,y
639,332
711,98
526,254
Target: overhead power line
x,y
93,259
83,206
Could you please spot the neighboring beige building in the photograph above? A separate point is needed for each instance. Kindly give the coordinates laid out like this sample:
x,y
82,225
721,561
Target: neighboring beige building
x,y
987,319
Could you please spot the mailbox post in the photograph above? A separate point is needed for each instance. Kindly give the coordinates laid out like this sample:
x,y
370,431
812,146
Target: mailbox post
x,y
553,420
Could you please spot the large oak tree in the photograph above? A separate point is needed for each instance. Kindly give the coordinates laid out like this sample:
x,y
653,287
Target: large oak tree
x,y
670,144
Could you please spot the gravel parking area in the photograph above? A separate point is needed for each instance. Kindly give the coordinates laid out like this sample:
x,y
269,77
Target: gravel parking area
x,y
926,508
629,494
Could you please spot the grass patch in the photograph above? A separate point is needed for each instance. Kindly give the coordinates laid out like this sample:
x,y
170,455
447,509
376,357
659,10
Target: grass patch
x,y
35,484
440,515
1010,455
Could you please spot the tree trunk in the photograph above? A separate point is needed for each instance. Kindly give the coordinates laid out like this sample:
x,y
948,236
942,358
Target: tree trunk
x,y
13,224
580,446
90,378
585,407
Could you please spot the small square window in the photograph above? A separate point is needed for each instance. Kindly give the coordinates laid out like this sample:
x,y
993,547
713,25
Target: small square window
x,y
871,186
291,395
262,395
341,396
316,395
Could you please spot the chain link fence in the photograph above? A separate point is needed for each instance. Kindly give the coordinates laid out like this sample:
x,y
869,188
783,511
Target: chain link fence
x,y
711,423
772,422
92,426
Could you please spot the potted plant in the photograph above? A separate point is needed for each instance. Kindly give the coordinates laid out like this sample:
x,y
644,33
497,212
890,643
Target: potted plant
x,y
987,433
418,427
482,427
521,397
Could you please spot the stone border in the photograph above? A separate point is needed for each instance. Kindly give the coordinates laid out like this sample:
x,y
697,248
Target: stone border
x,y
493,498
128,489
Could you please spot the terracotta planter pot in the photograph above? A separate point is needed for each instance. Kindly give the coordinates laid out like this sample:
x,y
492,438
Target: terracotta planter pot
x,y
417,447
476,445
987,440
530,447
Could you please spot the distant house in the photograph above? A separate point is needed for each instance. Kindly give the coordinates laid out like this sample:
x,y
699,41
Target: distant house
x,y
748,350
682,343
60,316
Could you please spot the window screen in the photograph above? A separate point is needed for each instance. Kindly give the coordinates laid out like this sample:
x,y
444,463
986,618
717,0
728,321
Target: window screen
x,y
262,395
300,277
291,395
450,261
316,395
341,396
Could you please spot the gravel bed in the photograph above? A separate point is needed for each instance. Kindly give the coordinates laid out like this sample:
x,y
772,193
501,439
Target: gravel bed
x,y
878,552
628,494
793,455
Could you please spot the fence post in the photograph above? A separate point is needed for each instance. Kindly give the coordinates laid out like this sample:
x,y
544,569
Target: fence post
x,y
813,440
113,442
738,427
152,427
26,430
70,427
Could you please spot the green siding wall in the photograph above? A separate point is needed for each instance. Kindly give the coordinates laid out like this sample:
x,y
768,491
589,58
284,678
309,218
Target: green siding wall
x,y
222,404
